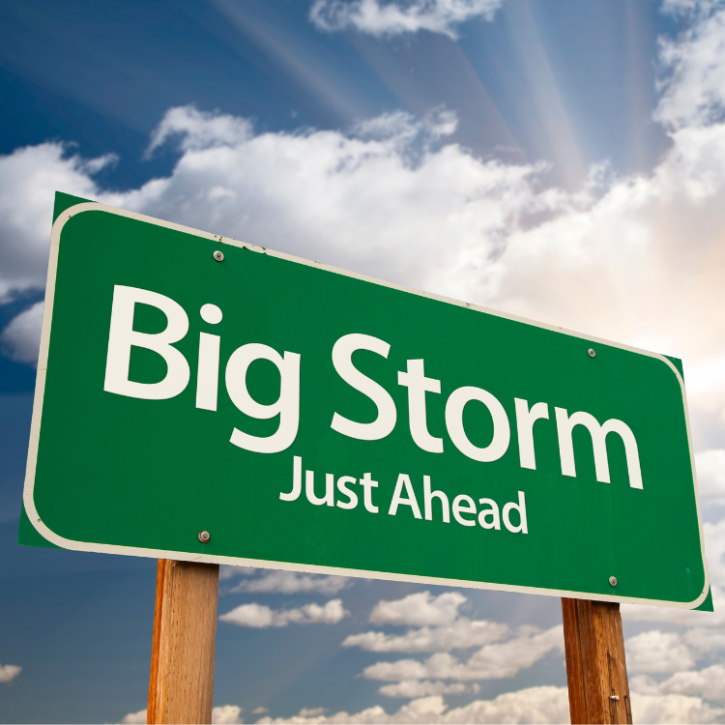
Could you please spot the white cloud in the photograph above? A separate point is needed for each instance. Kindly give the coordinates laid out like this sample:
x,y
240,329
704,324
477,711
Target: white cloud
x,y
665,709
394,17
403,128
197,130
226,715
29,178
425,688
493,661
711,475
229,572
658,651
705,640
135,718
695,90
533,705
419,610
708,683
9,672
20,340
260,616
461,634
311,712
288,582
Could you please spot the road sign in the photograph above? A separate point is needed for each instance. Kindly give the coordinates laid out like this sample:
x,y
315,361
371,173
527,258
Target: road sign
x,y
207,400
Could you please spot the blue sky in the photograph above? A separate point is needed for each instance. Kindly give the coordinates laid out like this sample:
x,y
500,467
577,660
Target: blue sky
x,y
556,159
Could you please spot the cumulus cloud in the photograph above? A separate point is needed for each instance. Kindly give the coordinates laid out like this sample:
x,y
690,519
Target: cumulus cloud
x,y
226,715
9,672
29,178
533,705
461,634
710,466
229,572
135,718
418,610
667,709
704,641
425,688
195,130
695,90
20,340
288,582
708,683
307,712
402,127
260,616
493,661
381,18
658,651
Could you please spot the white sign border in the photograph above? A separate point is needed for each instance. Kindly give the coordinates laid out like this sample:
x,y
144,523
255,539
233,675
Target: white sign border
x,y
64,543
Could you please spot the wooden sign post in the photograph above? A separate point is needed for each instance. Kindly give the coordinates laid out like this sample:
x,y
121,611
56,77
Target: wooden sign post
x,y
596,668
181,688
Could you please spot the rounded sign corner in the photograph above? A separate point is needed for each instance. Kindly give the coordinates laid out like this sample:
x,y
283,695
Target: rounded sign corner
x,y
42,528
72,211
671,365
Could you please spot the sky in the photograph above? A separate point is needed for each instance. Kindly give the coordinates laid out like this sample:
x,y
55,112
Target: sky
x,y
563,161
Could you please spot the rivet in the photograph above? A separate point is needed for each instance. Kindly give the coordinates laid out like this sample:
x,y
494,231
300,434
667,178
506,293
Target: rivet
x,y
592,353
219,256
613,581
614,697
204,536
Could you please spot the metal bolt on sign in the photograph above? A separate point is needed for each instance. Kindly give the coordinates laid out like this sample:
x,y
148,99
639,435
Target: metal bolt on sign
x,y
204,536
219,256
592,353
612,579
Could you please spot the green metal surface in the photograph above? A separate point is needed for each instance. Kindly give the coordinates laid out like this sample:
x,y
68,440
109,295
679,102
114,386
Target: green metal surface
x,y
128,472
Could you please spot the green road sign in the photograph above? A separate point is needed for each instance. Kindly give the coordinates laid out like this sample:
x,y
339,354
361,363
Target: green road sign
x,y
314,420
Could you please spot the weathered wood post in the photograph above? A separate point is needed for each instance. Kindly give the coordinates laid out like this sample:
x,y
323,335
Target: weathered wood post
x,y
181,688
596,668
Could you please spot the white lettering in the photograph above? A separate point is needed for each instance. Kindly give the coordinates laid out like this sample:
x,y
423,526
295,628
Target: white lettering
x,y
464,505
521,508
565,424
417,384
398,499
525,420
122,337
454,422
287,405
491,511
345,491
368,485
383,425
207,374
328,498
294,494
428,497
